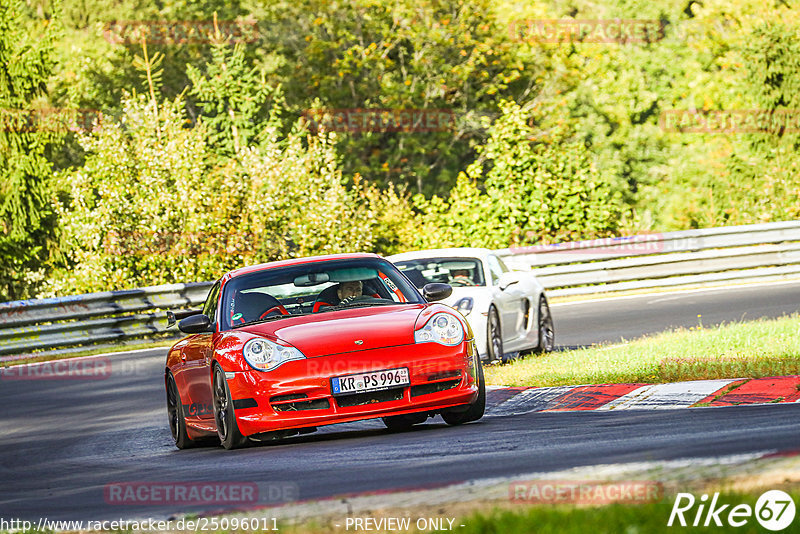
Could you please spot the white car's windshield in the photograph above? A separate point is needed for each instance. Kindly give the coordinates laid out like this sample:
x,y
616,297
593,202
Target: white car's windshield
x,y
458,272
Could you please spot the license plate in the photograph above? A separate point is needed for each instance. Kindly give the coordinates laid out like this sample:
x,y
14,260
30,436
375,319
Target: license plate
x,y
372,381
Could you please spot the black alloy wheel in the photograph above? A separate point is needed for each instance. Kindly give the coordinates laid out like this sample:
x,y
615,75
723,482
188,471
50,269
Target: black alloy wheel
x,y
494,337
547,334
227,429
177,421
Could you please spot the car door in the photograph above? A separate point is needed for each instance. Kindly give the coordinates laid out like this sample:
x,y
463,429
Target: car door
x,y
197,356
510,302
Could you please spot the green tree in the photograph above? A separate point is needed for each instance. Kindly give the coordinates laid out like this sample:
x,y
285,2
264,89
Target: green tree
x,y
407,55
763,173
540,187
28,223
284,197
232,96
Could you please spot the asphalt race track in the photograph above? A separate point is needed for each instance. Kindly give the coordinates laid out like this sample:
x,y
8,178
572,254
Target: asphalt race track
x,y
64,441
611,320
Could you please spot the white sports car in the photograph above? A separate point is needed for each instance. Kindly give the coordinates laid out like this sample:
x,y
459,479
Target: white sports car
x,y
507,310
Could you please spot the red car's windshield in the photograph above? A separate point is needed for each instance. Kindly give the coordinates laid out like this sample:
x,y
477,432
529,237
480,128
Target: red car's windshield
x,y
314,287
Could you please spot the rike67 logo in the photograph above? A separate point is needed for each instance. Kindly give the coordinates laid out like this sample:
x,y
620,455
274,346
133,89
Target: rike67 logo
x,y
774,510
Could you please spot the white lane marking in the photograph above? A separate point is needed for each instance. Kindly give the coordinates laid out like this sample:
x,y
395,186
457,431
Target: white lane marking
x,y
667,396
663,299
677,292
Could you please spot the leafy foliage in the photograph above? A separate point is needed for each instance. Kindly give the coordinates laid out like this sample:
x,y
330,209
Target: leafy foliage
x,y
216,168
413,55
284,198
232,96
28,227
539,188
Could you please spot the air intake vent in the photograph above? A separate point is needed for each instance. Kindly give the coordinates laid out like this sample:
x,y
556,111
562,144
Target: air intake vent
x,y
316,404
426,389
446,374
290,397
370,397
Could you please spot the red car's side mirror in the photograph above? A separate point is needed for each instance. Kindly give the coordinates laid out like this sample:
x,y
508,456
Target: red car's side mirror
x,y
195,324
436,291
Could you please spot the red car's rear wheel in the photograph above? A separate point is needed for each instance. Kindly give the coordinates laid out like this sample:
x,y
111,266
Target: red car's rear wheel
x,y
177,421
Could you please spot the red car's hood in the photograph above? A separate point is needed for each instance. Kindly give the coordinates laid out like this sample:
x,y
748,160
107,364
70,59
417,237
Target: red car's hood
x,y
335,332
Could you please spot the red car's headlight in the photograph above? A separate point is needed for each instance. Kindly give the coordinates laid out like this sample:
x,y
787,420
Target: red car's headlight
x,y
266,355
442,328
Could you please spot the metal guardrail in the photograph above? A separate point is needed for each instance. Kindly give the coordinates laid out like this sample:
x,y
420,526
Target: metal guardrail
x,y
29,325
715,255
686,258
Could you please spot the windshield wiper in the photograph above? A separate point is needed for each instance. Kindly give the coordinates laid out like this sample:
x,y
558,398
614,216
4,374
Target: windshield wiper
x,y
272,318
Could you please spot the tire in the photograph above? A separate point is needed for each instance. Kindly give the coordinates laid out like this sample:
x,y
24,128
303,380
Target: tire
x,y
473,411
228,431
400,423
177,421
547,333
494,337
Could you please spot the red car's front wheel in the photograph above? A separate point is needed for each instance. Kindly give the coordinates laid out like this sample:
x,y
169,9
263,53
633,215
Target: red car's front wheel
x,y
400,423
227,429
474,411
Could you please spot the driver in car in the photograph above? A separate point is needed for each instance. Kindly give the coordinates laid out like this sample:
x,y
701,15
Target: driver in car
x,y
344,293
461,277
349,290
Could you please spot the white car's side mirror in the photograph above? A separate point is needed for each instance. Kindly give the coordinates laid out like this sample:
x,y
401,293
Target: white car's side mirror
x,y
507,279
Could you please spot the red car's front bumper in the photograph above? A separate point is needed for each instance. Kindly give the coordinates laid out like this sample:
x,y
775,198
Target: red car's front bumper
x,y
298,393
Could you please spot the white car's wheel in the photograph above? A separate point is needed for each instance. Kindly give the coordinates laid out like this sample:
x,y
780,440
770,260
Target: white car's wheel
x,y
547,334
494,337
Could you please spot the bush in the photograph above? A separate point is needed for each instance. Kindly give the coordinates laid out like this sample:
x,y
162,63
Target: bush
x,y
154,204
540,187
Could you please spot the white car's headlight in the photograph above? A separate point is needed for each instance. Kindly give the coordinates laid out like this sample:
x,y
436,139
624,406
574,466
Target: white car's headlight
x,y
265,355
442,328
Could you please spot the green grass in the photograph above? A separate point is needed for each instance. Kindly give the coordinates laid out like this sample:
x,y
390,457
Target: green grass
x,y
738,350
612,519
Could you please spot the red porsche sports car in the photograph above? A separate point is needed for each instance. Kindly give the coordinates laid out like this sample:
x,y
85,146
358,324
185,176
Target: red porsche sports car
x,y
284,347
